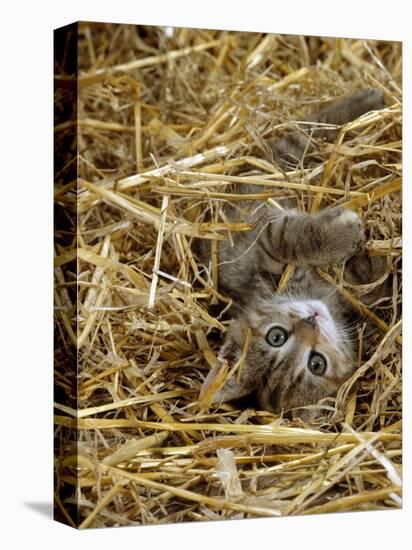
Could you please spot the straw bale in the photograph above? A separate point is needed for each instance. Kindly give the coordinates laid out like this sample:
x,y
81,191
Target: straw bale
x,y
170,122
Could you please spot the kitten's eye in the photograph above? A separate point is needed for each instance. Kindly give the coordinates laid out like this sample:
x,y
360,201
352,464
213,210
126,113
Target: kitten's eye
x,y
276,337
317,363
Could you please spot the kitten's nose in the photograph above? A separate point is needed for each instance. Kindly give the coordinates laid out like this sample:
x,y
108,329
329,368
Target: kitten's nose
x,y
311,320
307,330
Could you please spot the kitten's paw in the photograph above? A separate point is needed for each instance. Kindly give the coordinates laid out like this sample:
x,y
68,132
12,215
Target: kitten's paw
x,y
344,232
371,99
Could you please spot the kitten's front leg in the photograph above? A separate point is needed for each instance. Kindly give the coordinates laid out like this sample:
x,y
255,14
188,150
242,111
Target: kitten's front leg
x,y
320,239
363,269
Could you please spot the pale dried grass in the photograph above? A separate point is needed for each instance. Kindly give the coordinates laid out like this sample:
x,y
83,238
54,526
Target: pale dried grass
x,y
168,126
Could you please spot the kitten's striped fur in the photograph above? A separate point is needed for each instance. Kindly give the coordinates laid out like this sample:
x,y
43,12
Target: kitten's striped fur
x,y
311,314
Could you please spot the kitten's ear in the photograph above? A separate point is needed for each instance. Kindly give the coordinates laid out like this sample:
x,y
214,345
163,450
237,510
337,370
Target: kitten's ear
x,y
229,354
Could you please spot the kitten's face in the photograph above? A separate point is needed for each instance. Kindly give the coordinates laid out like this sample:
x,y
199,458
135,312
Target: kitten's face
x,y
298,353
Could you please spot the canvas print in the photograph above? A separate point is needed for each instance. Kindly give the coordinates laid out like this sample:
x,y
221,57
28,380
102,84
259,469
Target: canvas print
x,y
228,275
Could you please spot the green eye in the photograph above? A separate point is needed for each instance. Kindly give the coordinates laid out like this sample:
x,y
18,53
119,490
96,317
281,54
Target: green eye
x,y
317,363
276,337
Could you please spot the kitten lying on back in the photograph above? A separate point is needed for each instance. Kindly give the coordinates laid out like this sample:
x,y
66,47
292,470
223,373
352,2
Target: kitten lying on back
x,y
300,348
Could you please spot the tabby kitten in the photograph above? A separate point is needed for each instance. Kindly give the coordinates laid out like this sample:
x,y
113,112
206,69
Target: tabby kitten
x,y
300,347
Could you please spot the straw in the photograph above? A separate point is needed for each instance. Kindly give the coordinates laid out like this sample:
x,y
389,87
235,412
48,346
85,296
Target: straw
x,y
171,124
